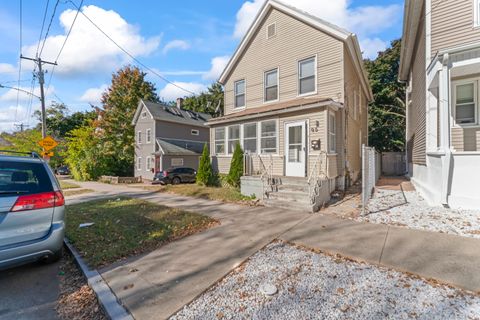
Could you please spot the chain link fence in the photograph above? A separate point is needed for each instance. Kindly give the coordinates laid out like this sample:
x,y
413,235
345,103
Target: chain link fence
x,y
371,171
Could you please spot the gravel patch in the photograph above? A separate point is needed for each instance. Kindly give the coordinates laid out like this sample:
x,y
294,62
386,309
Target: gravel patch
x,y
409,209
318,286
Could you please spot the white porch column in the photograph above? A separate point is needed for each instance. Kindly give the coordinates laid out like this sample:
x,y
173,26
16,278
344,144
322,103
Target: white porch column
x,y
444,110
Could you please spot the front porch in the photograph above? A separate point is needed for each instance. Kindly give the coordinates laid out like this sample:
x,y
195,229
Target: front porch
x,y
452,129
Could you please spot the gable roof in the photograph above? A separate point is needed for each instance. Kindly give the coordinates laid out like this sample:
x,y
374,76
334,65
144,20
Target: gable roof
x,y
341,34
411,21
175,147
162,112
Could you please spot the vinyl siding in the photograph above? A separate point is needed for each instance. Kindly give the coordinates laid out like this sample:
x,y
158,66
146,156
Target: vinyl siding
x,y
466,139
294,41
144,149
453,24
180,131
416,137
354,124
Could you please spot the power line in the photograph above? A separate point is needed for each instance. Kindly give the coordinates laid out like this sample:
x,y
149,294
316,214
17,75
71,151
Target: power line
x,y
49,26
19,59
129,54
63,45
43,25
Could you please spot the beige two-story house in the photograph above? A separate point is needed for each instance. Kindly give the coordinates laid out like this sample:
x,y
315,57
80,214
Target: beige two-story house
x,y
296,97
440,63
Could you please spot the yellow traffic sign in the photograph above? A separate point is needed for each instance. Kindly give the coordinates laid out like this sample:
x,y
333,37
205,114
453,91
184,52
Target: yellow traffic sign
x,y
47,154
48,143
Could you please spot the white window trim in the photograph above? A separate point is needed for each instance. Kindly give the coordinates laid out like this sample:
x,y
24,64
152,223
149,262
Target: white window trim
x,y
139,137
277,129
476,15
476,84
195,132
224,140
265,85
148,136
266,31
235,95
227,134
147,164
298,77
139,163
256,137
330,149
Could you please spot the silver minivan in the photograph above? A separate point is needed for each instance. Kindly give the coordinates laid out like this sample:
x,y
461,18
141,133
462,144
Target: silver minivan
x,y
32,211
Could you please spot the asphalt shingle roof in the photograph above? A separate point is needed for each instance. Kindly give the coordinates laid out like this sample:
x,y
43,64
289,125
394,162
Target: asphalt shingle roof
x,y
174,147
173,114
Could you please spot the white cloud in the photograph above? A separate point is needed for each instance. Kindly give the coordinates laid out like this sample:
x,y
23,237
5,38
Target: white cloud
x,y
218,64
371,47
7,68
176,44
367,22
93,95
11,95
87,49
170,92
8,120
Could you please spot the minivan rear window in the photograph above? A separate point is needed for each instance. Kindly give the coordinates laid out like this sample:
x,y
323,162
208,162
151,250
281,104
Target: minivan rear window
x,y
20,178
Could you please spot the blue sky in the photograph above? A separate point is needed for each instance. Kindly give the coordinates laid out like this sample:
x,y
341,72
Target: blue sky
x,y
186,41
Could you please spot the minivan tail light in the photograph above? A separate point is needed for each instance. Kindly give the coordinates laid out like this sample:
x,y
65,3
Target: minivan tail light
x,y
39,201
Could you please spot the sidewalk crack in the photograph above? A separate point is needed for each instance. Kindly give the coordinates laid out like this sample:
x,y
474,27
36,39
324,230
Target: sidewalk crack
x,y
384,243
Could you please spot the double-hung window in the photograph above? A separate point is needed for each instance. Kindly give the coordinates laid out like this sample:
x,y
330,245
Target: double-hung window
x,y
271,85
466,103
332,129
250,137
148,164
306,76
139,137
149,135
239,94
268,136
139,163
220,140
233,137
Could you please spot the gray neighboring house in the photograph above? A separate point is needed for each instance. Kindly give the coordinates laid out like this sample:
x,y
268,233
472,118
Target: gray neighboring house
x,y
167,137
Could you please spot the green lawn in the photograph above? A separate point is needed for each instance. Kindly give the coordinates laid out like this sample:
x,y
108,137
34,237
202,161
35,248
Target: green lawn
x,y
124,227
224,194
65,185
74,192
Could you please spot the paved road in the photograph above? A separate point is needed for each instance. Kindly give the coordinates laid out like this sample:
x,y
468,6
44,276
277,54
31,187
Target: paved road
x,y
29,292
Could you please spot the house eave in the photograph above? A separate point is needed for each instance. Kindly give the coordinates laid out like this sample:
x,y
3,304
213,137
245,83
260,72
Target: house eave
x,y
412,18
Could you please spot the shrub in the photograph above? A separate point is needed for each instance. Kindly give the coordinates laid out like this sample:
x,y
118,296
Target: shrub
x,y
205,175
236,167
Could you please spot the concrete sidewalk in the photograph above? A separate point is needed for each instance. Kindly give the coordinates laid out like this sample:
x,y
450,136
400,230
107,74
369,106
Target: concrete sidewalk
x,y
155,285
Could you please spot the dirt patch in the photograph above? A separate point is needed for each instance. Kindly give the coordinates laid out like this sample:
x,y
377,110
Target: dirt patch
x,y
77,300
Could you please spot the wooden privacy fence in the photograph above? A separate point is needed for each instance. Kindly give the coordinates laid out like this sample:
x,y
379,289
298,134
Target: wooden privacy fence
x,y
393,163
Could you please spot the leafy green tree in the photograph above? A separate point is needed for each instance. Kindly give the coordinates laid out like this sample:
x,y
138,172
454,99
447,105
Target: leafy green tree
x,y
206,102
24,141
236,167
83,154
115,128
387,112
205,175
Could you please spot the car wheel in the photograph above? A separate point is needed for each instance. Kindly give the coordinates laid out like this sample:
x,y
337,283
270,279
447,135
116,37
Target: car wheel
x,y
57,255
176,180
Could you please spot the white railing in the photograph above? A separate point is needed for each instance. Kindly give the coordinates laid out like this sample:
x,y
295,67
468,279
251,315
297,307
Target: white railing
x,y
317,176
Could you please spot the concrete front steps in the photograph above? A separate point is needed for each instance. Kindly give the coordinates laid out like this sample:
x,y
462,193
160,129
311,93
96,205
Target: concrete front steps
x,y
289,193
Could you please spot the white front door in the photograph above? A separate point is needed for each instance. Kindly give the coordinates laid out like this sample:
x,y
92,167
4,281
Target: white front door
x,y
295,149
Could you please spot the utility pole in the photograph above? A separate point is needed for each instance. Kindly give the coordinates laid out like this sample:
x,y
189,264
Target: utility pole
x,y
21,126
41,80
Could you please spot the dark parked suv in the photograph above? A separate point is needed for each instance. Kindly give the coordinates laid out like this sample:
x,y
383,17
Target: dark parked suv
x,y
175,176
32,211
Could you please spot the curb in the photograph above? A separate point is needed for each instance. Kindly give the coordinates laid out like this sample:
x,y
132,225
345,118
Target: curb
x,y
108,300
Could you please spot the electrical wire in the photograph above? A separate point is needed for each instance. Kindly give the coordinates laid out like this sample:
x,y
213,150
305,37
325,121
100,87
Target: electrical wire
x,y
19,59
128,53
41,30
49,26
63,45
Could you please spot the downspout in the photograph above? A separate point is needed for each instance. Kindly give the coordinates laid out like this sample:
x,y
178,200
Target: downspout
x,y
445,103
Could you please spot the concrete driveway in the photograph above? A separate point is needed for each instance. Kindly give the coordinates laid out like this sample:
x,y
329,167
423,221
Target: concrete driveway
x,y
29,292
